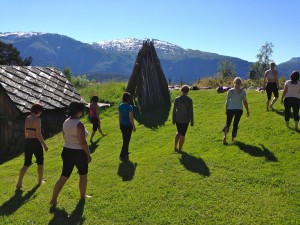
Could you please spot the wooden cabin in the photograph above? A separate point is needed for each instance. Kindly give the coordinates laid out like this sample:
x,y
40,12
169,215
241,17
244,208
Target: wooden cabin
x,y
20,87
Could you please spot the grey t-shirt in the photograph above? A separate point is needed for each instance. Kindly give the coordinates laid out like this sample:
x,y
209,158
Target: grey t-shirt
x,y
183,110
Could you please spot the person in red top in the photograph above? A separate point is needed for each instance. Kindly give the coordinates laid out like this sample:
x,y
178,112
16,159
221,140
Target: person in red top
x,y
94,117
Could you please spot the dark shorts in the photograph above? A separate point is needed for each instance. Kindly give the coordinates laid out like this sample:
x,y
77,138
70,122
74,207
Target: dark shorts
x,y
96,123
33,147
182,128
272,88
71,158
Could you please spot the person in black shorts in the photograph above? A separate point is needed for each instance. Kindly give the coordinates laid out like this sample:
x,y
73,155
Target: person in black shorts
x,y
183,114
75,152
271,85
94,117
34,144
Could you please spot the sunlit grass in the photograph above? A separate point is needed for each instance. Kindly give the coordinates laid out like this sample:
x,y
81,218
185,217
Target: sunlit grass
x,y
253,181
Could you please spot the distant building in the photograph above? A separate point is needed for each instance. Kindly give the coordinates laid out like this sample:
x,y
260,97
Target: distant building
x,y
22,86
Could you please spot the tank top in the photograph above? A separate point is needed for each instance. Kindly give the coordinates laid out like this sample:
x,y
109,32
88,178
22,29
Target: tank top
x,y
70,133
93,111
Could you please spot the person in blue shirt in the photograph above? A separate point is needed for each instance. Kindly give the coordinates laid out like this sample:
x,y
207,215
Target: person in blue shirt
x,y
235,99
126,124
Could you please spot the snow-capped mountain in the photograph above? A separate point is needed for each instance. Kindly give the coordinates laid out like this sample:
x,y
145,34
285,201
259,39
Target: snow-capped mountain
x,y
15,35
134,45
115,57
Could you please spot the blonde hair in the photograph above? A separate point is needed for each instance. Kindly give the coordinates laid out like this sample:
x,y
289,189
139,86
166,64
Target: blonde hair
x,y
237,80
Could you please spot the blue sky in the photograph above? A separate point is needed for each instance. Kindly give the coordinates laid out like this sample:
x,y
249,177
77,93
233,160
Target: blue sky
x,y
228,27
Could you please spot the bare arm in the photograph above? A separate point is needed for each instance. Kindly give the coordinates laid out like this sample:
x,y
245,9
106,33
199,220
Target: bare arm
x,y
192,114
132,120
82,141
246,106
265,80
276,79
284,93
39,135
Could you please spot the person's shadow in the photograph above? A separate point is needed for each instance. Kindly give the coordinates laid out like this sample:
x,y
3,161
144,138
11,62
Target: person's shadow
x,y
194,164
281,112
16,201
256,151
127,170
62,217
94,145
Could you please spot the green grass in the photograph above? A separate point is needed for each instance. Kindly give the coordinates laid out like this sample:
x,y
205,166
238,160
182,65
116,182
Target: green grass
x,y
254,181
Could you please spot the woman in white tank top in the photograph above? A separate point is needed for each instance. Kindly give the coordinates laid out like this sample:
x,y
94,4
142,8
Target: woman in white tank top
x,y
76,151
291,98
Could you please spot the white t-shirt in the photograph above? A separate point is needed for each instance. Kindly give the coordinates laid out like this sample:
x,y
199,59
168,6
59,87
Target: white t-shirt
x,y
70,133
293,89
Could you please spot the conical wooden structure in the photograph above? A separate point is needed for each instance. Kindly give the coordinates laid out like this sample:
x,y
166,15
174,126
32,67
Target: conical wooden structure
x,y
147,82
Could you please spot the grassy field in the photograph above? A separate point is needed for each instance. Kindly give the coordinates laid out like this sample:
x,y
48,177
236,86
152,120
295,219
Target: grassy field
x,y
255,180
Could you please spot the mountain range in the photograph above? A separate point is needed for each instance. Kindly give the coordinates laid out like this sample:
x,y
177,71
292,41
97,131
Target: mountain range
x,y
106,60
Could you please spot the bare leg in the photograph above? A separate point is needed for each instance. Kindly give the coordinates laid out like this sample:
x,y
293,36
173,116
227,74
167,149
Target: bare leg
x,y
181,142
40,170
225,135
296,125
57,188
100,131
21,175
92,135
82,185
176,141
287,123
272,103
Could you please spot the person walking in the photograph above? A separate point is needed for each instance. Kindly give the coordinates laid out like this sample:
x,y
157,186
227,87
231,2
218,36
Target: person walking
x,y
34,144
183,114
271,85
126,122
235,99
291,98
75,152
94,117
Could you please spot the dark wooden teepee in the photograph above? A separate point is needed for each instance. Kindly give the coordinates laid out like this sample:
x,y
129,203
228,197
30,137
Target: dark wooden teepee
x,y
147,82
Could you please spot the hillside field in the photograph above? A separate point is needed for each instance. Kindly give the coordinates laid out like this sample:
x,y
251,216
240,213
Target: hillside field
x,y
255,180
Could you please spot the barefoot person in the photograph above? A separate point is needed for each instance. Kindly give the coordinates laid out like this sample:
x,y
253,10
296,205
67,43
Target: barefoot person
x,y
291,96
75,152
235,99
34,143
271,85
183,114
94,117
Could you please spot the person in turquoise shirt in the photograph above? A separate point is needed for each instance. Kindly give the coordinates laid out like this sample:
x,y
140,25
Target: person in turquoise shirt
x,y
126,124
235,99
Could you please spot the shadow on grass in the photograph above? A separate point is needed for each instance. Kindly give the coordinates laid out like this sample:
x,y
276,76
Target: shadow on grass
x,y
6,156
152,118
94,145
256,151
279,112
193,164
16,201
127,170
62,217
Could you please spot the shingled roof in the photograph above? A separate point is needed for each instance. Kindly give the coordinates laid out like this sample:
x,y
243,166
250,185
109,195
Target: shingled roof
x,y
47,85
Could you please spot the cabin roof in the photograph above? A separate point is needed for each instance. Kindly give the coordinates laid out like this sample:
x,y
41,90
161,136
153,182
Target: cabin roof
x,y
25,85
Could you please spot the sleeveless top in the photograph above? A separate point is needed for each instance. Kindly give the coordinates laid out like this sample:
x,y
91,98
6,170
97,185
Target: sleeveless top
x,y
293,89
93,110
70,133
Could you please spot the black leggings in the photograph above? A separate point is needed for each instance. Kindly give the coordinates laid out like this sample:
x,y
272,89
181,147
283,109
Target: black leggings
x,y
289,103
236,113
126,134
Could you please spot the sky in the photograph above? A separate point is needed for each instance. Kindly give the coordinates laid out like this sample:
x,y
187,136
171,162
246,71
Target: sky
x,y
237,28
